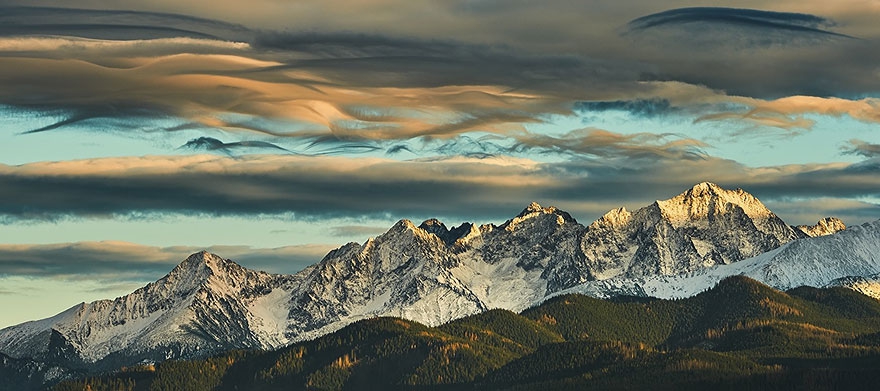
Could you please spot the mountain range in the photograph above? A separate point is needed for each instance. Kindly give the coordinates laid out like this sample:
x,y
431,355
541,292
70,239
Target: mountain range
x,y
432,274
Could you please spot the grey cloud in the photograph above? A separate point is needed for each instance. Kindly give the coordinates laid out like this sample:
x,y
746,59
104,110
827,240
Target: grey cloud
x,y
114,24
378,60
754,53
262,184
751,19
128,262
212,144
639,107
810,210
859,147
315,72
111,116
466,188
77,258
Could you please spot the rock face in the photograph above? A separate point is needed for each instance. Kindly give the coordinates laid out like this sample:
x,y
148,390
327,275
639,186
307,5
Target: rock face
x,y
404,272
848,258
206,304
702,227
431,274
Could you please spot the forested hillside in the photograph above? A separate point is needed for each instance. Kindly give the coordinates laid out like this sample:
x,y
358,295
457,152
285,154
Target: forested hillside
x,y
740,334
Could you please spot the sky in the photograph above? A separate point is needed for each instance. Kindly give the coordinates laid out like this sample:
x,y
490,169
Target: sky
x,y
133,133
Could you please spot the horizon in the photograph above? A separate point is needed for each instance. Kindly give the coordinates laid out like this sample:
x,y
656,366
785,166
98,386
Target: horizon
x,y
135,131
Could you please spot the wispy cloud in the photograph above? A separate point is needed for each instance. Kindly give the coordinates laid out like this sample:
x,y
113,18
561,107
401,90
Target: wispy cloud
x,y
237,93
357,230
212,144
788,112
655,107
860,147
605,144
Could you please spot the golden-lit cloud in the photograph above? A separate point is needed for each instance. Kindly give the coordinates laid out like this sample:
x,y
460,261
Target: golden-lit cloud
x,y
602,143
789,112
227,89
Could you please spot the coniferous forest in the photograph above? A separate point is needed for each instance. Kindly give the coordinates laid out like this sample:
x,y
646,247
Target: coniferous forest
x,y
739,335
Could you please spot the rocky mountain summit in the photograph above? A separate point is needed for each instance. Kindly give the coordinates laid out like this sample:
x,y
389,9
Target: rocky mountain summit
x,y
702,227
826,226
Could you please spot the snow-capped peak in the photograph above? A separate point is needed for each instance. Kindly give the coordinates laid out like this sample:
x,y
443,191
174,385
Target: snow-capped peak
x,y
536,210
706,187
404,225
194,271
707,199
200,260
533,207
614,218
826,226
433,226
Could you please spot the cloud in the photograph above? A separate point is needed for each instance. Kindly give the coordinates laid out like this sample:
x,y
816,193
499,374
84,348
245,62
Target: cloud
x,y
126,262
212,144
859,147
756,53
238,93
344,90
655,107
356,230
788,112
707,20
256,184
605,144
468,188
415,62
114,24
307,85
803,211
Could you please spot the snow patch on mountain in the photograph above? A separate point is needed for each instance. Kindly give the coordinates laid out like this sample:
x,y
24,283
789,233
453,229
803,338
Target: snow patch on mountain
x,y
868,285
848,258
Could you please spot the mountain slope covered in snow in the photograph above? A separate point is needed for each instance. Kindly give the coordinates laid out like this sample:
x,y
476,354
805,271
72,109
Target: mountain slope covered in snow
x,y
849,258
